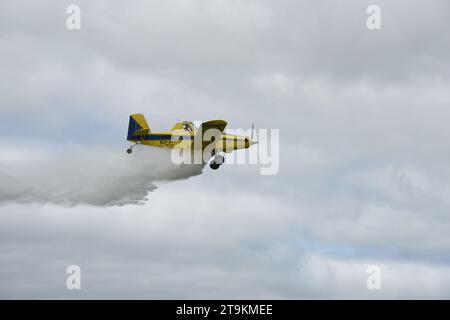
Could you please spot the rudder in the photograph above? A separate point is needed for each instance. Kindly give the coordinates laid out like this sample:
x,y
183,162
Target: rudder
x,y
137,127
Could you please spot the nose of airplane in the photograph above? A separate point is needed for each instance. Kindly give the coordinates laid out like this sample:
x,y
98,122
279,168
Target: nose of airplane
x,y
249,142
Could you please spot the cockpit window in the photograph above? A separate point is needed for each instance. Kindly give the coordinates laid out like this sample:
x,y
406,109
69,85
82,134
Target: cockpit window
x,y
188,127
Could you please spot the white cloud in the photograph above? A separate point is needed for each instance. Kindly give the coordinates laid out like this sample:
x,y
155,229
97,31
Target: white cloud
x,y
80,175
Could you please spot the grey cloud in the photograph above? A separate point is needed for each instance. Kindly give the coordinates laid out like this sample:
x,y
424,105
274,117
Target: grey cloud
x,y
363,120
162,251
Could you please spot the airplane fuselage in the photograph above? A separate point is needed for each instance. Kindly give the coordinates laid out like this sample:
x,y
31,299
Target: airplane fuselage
x,y
209,137
173,139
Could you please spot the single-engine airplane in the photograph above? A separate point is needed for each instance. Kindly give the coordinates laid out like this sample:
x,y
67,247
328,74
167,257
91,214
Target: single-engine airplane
x,y
186,135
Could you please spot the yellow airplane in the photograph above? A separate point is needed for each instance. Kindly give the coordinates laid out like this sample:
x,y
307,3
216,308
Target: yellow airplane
x,y
186,135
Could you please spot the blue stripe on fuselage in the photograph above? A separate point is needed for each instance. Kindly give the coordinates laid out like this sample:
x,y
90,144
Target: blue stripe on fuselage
x,y
156,136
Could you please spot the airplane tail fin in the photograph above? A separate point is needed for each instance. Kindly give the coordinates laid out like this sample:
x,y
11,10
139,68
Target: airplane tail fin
x,y
137,127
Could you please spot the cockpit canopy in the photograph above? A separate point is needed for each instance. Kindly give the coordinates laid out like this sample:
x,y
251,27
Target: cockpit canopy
x,y
185,125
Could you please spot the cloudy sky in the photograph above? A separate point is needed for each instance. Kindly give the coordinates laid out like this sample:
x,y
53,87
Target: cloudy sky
x,y
364,173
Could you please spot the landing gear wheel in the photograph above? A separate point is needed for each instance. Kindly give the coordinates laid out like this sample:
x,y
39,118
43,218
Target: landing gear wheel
x,y
214,165
129,150
219,159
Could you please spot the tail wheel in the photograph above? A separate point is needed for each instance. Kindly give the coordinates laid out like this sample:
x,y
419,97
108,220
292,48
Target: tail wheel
x,y
129,150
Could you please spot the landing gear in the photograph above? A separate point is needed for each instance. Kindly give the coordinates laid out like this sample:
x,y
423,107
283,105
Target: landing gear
x,y
217,161
130,149
214,165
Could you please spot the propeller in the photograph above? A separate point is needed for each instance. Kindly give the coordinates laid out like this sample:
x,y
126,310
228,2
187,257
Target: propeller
x,y
251,137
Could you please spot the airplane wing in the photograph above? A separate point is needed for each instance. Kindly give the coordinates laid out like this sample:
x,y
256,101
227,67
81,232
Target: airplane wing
x,y
205,126
213,124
